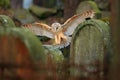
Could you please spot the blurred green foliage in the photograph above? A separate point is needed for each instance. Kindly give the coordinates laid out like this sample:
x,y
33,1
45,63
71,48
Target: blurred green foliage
x,y
4,3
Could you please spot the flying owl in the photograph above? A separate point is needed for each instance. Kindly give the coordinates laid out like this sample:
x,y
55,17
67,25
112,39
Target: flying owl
x,y
61,33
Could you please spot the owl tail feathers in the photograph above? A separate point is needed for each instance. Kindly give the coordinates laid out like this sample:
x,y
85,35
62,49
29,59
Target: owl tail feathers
x,y
67,42
64,43
61,45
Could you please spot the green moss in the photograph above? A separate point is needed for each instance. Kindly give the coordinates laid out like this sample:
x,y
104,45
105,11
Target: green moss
x,y
34,46
55,54
42,12
88,5
90,46
24,16
6,21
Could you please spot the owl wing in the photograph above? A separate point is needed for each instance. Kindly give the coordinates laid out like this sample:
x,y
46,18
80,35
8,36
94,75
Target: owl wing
x,y
70,25
40,29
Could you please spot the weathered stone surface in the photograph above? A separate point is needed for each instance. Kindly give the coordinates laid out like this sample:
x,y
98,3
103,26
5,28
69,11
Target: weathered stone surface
x,y
90,49
42,12
88,5
6,21
21,54
23,16
56,55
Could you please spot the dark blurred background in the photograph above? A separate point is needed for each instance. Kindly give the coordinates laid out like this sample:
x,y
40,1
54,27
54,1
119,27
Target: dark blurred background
x,y
49,11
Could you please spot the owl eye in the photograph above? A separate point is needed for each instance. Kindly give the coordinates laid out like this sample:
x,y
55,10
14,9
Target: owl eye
x,y
56,27
50,29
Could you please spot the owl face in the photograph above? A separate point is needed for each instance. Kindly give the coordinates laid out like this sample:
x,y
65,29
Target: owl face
x,y
56,26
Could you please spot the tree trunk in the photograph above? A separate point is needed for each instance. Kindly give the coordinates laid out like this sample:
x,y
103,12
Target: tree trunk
x,y
16,4
70,7
115,25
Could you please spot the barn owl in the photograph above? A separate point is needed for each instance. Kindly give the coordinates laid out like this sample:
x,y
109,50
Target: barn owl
x,y
61,33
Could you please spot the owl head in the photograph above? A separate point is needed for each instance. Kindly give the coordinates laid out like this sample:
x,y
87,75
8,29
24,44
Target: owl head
x,y
56,26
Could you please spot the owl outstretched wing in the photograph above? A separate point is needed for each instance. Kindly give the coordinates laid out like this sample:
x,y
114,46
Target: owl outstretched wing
x,y
67,29
40,29
70,25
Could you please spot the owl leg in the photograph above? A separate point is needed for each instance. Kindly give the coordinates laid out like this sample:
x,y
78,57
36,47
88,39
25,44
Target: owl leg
x,y
59,39
56,39
63,37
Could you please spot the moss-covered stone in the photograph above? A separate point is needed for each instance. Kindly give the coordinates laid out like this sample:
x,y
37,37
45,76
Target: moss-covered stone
x,y
56,55
6,21
90,49
42,12
31,42
88,5
24,16
22,54
103,4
